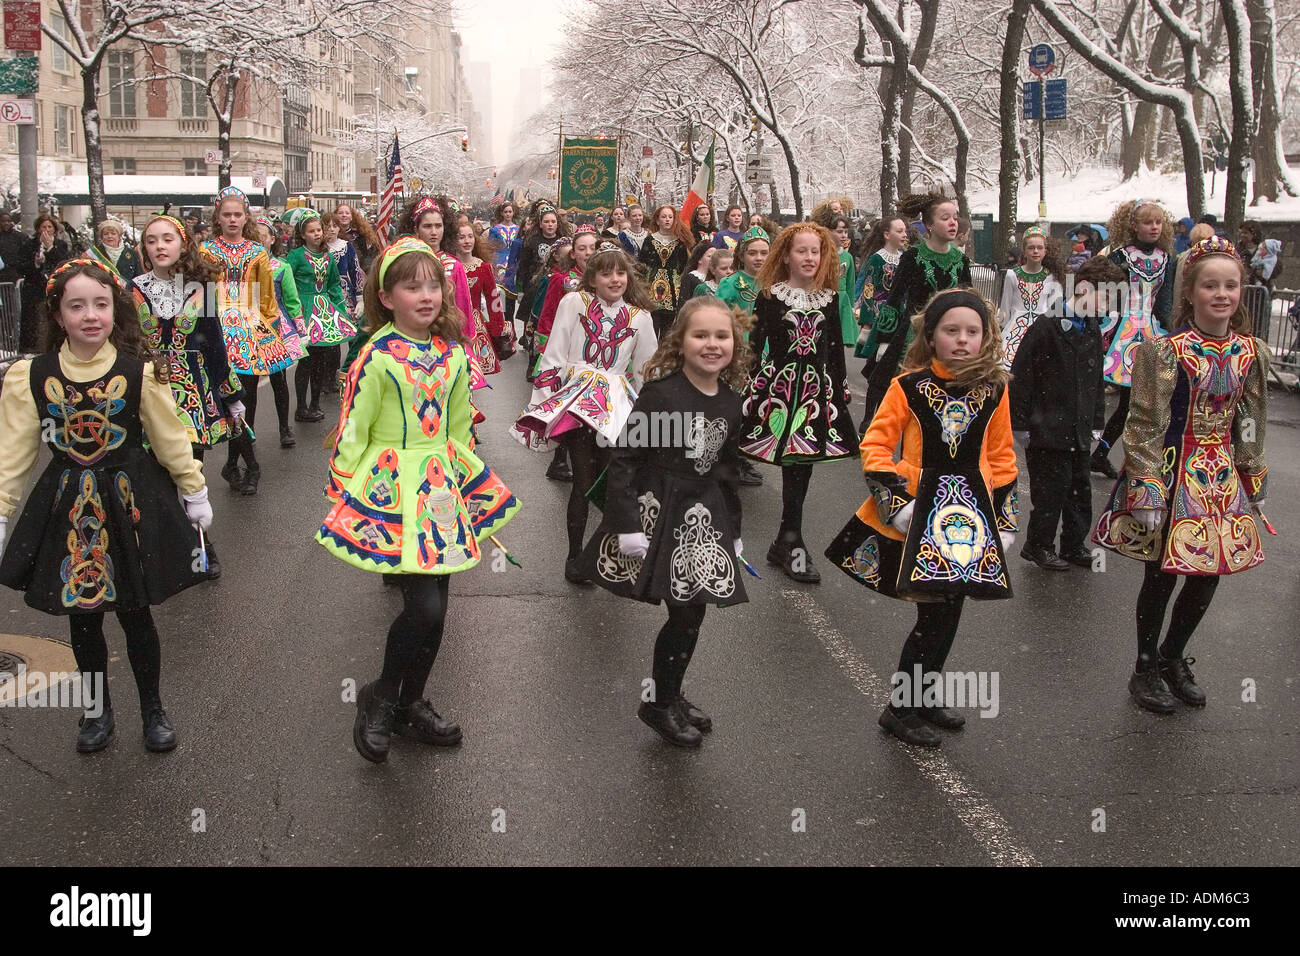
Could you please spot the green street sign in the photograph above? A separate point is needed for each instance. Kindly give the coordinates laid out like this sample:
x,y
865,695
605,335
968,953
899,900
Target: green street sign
x,y
18,75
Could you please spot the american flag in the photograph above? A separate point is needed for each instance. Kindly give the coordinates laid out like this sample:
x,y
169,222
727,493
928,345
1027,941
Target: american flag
x,y
388,202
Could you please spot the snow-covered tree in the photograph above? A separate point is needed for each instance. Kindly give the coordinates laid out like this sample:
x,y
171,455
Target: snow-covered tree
x,y
92,28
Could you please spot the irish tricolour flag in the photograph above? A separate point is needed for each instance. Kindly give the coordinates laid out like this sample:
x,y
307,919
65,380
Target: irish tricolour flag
x,y
702,186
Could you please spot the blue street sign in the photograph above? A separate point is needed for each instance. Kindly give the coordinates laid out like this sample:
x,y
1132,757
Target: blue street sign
x,y
1033,99
1054,101
1041,59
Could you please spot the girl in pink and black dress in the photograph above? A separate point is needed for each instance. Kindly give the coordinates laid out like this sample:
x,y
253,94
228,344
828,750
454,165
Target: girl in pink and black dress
x,y
485,302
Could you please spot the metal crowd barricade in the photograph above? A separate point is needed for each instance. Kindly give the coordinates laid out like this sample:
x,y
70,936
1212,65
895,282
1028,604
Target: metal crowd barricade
x,y
985,280
11,309
1275,318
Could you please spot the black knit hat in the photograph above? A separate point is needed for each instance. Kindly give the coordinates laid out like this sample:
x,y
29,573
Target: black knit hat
x,y
941,302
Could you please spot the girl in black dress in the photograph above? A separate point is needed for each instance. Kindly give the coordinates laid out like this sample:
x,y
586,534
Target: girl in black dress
x,y
103,529
671,530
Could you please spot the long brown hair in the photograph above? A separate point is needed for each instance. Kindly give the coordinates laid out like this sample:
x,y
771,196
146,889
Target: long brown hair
x,y
250,226
448,324
189,263
616,260
984,367
775,270
127,336
365,232
1185,311
669,356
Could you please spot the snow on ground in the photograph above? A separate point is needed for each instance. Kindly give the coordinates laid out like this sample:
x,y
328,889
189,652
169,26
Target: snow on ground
x,y
1092,194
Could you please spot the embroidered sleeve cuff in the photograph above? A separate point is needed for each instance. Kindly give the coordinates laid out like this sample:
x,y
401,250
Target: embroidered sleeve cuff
x,y
1006,504
886,319
1146,493
550,379
1256,485
890,491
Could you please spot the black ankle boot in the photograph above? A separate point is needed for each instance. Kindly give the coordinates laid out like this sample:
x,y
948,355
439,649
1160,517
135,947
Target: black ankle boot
x,y
909,728
670,723
573,572
1149,689
559,469
747,474
1177,674
287,439
159,737
942,717
232,476
421,722
694,716
373,730
1100,462
793,558
214,566
95,731
251,478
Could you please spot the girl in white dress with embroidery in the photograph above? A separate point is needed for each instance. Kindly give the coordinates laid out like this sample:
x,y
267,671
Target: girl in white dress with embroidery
x,y
671,530
588,378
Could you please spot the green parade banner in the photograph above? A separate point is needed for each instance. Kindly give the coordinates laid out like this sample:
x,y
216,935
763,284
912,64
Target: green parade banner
x,y
589,175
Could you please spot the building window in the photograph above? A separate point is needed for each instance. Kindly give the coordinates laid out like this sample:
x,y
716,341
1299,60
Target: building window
x,y
194,103
123,167
63,138
60,62
121,71
196,167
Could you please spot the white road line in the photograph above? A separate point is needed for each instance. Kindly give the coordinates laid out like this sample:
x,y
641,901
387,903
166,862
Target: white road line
x,y
985,824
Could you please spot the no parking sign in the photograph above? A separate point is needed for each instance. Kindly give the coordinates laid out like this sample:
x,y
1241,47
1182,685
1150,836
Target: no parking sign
x,y
18,112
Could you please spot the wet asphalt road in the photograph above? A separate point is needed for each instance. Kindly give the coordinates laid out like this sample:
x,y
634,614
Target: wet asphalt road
x,y
544,678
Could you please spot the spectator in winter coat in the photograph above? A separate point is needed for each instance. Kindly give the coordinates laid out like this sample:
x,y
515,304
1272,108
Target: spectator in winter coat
x,y
43,256
15,249
1182,233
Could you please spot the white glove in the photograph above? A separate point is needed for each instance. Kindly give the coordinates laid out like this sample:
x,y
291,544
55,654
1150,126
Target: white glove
x,y
4,533
1021,438
1257,504
236,409
198,510
740,547
863,334
1008,539
633,545
1096,434
1148,518
903,520
880,352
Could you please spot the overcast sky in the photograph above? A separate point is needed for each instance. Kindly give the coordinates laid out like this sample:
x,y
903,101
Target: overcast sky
x,y
493,31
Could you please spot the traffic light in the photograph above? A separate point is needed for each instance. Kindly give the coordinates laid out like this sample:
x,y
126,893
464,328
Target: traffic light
x,y
464,144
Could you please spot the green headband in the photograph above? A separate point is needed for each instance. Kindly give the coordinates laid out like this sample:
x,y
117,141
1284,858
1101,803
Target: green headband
x,y
755,232
400,248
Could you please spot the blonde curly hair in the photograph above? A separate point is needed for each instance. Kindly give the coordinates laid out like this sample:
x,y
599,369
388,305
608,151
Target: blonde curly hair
x,y
669,357
1121,230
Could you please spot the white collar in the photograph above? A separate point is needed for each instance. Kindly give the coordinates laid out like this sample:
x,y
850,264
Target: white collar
x,y
803,299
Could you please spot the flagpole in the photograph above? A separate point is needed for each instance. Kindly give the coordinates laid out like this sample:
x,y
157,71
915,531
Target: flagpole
x,y
559,166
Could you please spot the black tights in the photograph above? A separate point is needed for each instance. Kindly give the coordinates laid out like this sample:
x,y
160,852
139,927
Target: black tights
x,y
673,650
794,489
280,389
413,638
241,444
91,651
586,458
1193,601
930,641
319,366
1115,424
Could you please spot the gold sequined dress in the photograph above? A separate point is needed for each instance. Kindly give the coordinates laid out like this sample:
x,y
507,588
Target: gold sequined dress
x,y
1194,452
